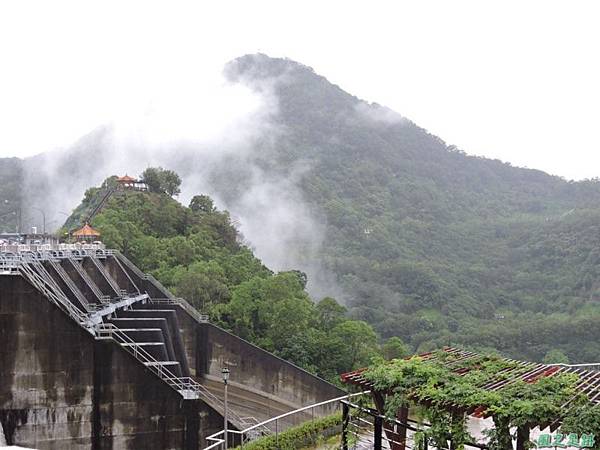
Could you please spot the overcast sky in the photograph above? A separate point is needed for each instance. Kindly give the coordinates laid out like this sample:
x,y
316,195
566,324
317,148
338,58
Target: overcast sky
x,y
514,80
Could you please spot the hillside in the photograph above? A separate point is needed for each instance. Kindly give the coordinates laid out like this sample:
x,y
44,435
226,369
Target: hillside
x,y
420,239
432,244
195,252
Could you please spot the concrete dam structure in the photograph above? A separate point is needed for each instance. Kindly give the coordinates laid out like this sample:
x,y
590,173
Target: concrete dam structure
x,y
95,354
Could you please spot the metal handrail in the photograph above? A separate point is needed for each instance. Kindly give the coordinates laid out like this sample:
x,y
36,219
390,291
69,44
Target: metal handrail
x,y
88,280
184,305
406,424
50,292
120,264
110,280
575,365
184,385
100,205
135,269
159,285
69,282
218,438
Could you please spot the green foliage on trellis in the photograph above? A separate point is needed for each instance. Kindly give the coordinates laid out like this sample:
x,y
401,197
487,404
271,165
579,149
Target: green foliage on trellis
x,y
448,395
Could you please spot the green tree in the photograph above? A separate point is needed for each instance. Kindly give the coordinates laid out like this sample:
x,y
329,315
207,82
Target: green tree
x,y
555,356
202,284
330,313
202,203
359,343
196,254
171,182
151,176
161,180
394,348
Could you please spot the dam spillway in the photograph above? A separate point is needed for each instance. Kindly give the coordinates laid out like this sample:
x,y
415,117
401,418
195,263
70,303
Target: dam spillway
x,y
95,354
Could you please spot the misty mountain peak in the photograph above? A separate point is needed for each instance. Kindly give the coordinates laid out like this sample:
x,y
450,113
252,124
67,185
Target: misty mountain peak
x,y
261,67
301,92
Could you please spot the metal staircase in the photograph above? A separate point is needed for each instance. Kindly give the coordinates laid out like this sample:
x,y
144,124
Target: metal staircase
x,y
100,205
186,386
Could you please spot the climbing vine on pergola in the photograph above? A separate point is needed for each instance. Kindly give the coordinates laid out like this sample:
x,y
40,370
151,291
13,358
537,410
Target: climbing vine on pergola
x,y
450,385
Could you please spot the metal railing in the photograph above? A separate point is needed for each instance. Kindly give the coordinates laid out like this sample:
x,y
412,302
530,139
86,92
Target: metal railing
x,y
184,305
272,426
588,366
53,293
109,279
186,386
135,269
380,430
120,264
101,203
89,282
69,283
159,285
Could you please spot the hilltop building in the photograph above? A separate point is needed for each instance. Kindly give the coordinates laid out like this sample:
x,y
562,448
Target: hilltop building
x,y
86,233
126,182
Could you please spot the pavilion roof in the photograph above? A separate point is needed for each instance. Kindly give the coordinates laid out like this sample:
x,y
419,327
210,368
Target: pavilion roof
x,y
86,231
529,372
126,179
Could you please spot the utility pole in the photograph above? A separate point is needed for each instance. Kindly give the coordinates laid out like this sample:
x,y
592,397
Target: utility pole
x,y
225,373
43,218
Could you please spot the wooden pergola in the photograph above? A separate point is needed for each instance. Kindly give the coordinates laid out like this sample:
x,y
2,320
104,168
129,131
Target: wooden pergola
x,y
588,384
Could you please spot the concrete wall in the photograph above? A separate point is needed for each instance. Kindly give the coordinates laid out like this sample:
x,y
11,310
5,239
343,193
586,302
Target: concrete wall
x,y
62,389
209,349
118,273
252,366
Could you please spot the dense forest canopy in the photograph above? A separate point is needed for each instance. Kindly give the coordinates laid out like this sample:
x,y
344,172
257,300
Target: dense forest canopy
x,y
425,242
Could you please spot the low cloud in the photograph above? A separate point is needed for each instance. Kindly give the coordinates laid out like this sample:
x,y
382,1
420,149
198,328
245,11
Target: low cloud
x,y
213,134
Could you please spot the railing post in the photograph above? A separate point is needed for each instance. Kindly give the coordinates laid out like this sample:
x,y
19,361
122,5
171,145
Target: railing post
x,y
345,423
377,444
277,433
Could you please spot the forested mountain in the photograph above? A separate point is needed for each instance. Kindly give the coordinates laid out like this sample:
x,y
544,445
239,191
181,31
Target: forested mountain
x,y
424,241
431,244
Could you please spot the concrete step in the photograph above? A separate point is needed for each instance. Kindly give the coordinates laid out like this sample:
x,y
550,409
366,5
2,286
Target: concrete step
x,y
151,322
139,322
147,313
144,334
170,328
